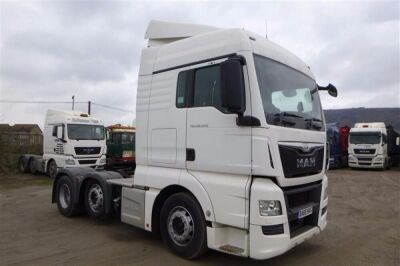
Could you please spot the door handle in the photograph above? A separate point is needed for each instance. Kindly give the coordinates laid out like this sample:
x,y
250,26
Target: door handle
x,y
190,155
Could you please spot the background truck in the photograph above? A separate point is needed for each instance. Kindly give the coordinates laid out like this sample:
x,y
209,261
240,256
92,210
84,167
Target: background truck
x,y
120,147
231,147
373,145
70,139
338,144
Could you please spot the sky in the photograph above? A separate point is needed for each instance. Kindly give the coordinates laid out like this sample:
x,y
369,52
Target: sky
x,y
52,50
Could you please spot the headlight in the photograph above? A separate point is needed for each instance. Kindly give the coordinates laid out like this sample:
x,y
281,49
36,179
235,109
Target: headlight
x,y
326,193
270,207
102,161
378,159
69,162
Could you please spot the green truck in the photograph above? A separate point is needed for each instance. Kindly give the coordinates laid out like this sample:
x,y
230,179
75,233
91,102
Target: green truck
x,y
120,147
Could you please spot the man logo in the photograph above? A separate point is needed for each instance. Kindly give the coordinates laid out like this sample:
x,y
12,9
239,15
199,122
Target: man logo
x,y
305,148
306,163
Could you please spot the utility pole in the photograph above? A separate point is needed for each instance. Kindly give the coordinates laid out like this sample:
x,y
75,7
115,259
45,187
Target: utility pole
x,y
73,102
266,29
89,106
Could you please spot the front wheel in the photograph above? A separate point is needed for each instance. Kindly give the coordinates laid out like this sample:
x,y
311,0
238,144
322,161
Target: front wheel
x,y
183,226
52,169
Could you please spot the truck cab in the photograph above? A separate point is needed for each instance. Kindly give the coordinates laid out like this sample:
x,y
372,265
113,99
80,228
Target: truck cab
x,y
231,148
72,139
368,146
120,147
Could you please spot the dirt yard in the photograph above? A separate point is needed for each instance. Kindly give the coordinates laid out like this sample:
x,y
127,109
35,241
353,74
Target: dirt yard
x,y
363,229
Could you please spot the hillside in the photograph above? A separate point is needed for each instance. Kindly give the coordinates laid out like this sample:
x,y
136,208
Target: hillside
x,y
354,115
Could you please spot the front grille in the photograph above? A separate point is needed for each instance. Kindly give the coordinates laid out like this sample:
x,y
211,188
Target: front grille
x,y
296,162
87,161
298,198
87,150
361,163
364,151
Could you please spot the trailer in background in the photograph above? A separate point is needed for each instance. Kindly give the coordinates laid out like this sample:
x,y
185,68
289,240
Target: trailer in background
x,y
338,143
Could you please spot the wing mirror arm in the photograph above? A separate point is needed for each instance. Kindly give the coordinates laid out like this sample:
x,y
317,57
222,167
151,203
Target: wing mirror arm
x,y
330,88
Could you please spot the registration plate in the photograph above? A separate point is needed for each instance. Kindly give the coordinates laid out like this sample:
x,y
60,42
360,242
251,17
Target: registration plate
x,y
305,212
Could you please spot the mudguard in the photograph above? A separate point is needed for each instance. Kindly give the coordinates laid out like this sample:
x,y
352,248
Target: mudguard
x,y
79,175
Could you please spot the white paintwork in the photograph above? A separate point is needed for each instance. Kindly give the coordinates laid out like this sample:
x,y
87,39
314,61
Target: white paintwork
x,y
376,160
50,143
232,165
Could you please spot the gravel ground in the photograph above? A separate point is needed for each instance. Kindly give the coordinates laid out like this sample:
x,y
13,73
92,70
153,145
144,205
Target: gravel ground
x,y
363,229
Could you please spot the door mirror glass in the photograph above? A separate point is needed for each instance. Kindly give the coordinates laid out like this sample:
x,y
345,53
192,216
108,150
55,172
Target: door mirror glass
x,y
232,86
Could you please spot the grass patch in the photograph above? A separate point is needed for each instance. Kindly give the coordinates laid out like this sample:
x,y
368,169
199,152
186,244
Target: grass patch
x,y
12,181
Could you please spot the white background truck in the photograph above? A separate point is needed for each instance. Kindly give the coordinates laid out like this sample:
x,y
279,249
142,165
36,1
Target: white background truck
x,y
373,145
70,139
230,147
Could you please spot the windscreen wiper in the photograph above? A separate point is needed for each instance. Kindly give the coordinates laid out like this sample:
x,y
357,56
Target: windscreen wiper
x,y
315,122
285,118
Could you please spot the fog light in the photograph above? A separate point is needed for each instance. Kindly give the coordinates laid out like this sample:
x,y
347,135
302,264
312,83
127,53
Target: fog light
x,y
69,162
270,207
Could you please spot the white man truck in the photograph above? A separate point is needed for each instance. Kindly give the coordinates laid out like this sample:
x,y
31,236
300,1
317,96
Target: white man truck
x,y
231,148
373,145
70,139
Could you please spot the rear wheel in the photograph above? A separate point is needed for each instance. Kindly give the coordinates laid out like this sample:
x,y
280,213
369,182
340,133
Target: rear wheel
x,y
95,200
64,197
52,169
32,166
183,226
22,165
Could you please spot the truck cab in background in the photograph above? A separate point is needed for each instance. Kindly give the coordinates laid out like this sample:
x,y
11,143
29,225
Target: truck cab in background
x,y
337,137
231,147
70,139
120,147
373,145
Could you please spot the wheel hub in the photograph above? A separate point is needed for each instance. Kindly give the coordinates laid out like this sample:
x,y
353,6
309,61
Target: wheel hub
x,y
65,196
95,198
180,226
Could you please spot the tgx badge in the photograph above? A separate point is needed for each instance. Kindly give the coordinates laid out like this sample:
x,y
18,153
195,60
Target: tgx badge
x,y
306,162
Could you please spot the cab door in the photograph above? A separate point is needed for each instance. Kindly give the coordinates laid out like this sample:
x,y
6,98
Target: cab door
x,y
218,150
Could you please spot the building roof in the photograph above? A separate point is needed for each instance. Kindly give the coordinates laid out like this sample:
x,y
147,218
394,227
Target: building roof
x,y
24,128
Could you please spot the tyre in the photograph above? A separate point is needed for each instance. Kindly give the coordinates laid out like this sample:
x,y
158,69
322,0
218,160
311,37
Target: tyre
x,y
32,166
183,226
64,197
52,169
95,200
22,165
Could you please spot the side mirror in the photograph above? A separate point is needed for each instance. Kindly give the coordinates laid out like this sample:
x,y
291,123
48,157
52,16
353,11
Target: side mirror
x,y
330,88
397,141
232,86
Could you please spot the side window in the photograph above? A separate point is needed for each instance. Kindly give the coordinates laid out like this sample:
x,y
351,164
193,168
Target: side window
x,y
54,131
384,138
181,98
207,87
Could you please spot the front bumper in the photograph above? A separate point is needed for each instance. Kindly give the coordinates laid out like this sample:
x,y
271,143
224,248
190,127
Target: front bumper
x,y
264,246
367,162
98,162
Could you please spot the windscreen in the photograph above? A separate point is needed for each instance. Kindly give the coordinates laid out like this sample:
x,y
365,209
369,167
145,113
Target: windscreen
x,y
128,138
365,138
85,132
289,97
